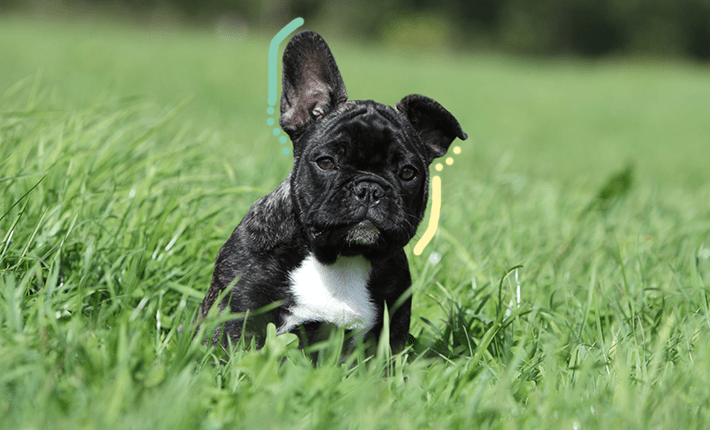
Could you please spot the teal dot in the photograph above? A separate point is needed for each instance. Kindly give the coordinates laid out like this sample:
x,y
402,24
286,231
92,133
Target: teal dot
x,y
282,139
270,121
277,131
270,110
285,151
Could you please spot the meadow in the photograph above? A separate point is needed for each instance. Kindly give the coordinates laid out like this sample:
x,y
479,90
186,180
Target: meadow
x,y
566,287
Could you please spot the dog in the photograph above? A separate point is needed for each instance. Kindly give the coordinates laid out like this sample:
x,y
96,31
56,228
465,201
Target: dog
x,y
326,246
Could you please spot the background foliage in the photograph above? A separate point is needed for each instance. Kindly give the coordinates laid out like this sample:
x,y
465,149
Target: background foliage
x,y
545,27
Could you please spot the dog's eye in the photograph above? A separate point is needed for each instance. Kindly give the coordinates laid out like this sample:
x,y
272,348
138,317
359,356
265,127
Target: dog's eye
x,y
325,163
408,173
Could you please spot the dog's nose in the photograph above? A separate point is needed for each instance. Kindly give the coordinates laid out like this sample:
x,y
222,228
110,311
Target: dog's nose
x,y
370,192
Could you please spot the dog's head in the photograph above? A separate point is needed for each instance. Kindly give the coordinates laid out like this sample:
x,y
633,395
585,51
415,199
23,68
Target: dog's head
x,y
361,168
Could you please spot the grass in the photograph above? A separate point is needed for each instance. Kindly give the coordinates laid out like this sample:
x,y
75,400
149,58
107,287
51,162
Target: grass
x,y
128,154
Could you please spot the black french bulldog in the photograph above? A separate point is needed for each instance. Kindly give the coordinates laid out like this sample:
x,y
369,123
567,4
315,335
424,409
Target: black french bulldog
x,y
327,244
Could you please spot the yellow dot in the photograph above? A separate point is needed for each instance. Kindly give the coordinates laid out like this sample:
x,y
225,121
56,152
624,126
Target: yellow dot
x,y
457,150
449,161
439,167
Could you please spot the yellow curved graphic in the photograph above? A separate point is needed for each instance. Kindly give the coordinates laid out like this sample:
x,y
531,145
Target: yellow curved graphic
x,y
433,218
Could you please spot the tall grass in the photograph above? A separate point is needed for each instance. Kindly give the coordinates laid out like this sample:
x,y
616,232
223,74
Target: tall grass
x,y
561,290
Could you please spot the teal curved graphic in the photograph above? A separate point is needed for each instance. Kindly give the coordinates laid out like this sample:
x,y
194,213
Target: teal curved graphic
x,y
273,55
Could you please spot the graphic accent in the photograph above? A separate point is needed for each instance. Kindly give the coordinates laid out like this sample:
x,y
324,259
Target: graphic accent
x,y
433,217
435,206
273,60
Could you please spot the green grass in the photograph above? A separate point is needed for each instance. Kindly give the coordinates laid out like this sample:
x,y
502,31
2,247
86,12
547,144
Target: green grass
x,y
127,156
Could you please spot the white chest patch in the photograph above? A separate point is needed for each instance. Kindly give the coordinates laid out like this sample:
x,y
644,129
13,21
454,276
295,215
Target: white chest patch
x,y
336,294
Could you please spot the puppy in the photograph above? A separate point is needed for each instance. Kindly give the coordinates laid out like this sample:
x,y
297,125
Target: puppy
x,y
326,246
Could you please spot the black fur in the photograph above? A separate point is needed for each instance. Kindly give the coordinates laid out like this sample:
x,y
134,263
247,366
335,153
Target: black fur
x,y
349,193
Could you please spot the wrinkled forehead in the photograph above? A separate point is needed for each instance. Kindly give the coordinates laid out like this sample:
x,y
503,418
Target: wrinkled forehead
x,y
367,124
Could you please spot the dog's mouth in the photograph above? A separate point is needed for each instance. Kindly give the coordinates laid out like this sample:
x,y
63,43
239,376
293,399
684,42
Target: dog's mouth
x,y
363,233
362,237
360,234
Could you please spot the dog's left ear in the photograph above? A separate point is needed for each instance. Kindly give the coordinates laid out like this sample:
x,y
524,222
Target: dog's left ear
x,y
311,86
436,126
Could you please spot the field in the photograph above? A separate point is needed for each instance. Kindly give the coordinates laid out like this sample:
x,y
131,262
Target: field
x,y
566,287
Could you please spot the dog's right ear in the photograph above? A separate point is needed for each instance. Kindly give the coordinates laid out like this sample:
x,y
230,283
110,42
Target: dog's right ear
x,y
311,86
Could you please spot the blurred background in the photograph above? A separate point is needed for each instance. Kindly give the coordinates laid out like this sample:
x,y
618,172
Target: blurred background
x,y
566,91
588,28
